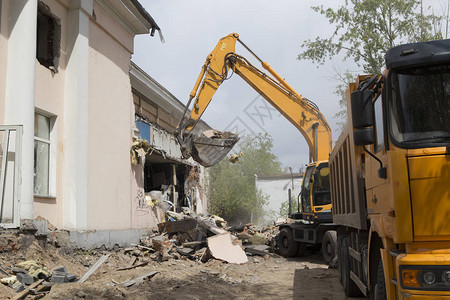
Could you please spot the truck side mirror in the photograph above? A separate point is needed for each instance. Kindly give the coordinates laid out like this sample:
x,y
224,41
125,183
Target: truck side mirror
x,y
363,117
365,136
363,113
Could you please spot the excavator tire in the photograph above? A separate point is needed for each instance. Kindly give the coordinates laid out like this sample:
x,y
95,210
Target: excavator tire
x,y
329,246
287,246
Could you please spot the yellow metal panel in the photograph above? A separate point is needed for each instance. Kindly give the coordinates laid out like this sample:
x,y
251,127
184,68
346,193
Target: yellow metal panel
x,y
389,273
430,197
398,176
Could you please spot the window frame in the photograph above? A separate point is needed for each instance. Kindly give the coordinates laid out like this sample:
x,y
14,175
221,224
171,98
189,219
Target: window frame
x,y
52,155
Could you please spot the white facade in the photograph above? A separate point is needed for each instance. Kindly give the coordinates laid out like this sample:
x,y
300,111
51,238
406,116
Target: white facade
x,y
276,188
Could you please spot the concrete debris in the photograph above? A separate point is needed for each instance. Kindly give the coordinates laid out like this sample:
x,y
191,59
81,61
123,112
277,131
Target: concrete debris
x,y
182,238
136,150
223,248
93,268
139,279
9,280
258,239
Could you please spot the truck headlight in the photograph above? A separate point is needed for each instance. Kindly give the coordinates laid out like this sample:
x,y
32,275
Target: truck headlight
x,y
432,278
446,278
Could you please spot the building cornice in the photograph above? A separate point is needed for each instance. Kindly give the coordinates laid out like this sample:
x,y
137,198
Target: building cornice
x,y
135,20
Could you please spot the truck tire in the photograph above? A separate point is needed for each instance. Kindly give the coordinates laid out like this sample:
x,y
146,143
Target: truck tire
x,y
287,246
380,286
329,246
350,287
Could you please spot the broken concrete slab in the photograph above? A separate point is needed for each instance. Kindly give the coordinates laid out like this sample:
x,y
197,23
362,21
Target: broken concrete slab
x,y
211,227
25,278
261,250
185,251
24,293
18,286
222,247
139,279
177,226
93,268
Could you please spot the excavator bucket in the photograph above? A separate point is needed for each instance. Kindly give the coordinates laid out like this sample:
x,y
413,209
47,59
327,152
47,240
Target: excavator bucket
x,y
212,146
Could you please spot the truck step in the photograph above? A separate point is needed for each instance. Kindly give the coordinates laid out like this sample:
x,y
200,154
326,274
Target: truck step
x,y
359,283
355,254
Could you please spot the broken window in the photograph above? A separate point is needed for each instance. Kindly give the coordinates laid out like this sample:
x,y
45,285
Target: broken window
x,y
48,37
161,177
42,128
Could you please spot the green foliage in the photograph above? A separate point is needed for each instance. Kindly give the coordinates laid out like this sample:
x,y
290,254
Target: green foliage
x,y
366,29
284,208
233,194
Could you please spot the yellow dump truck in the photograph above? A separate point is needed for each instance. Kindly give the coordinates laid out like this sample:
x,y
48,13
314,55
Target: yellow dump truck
x,y
390,178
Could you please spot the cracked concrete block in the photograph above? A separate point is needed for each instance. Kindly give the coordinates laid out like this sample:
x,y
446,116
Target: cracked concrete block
x,y
25,278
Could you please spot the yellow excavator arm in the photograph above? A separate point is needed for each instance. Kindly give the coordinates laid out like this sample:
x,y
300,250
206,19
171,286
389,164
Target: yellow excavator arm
x,y
301,112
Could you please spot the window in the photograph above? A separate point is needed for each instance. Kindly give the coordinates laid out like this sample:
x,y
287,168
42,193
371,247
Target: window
x,y
379,126
48,38
42,129
306,191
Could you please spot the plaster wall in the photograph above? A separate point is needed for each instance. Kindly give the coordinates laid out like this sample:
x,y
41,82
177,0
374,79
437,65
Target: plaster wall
x,y
49,100
109,134
105,21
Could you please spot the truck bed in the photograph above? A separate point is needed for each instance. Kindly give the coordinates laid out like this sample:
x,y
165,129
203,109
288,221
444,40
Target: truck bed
x,y
347,184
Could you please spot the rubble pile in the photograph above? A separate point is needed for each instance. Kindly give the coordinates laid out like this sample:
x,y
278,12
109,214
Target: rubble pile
x,y
182,237
190,236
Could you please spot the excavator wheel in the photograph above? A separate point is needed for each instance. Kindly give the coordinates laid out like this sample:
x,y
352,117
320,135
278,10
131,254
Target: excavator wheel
x,y
329,246
287,247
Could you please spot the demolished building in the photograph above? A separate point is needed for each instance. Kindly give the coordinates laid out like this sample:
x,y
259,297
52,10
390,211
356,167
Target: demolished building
x,y
68,121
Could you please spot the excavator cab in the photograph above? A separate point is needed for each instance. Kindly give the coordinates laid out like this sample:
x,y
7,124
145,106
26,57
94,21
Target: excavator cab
x,y
315,194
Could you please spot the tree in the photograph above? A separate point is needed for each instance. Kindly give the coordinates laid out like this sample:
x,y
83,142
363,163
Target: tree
x,y
233,193
366,29
284,208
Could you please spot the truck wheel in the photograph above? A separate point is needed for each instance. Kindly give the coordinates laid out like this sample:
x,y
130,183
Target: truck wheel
x,y
380,286
287,246
350,287
329,246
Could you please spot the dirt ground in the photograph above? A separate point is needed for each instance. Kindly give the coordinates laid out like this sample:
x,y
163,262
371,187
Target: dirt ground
x,y
270,278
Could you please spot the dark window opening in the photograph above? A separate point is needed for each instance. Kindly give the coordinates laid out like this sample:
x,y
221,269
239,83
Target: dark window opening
x,y
160,177
48,38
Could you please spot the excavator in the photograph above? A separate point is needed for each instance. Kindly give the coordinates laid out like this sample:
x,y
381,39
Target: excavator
x,y
314,226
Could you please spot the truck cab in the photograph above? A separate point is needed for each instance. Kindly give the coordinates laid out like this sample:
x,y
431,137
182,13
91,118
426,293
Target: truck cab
x,y
390,178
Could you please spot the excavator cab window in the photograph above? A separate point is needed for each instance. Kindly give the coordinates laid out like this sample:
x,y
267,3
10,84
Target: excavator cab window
x,y
321,189
306,189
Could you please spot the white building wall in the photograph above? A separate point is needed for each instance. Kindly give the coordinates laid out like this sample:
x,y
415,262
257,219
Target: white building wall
x,y
277,190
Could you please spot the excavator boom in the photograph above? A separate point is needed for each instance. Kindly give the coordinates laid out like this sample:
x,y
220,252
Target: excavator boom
x,y
302,113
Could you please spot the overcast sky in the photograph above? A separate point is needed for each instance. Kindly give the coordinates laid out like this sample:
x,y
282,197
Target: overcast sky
x,y
274,30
